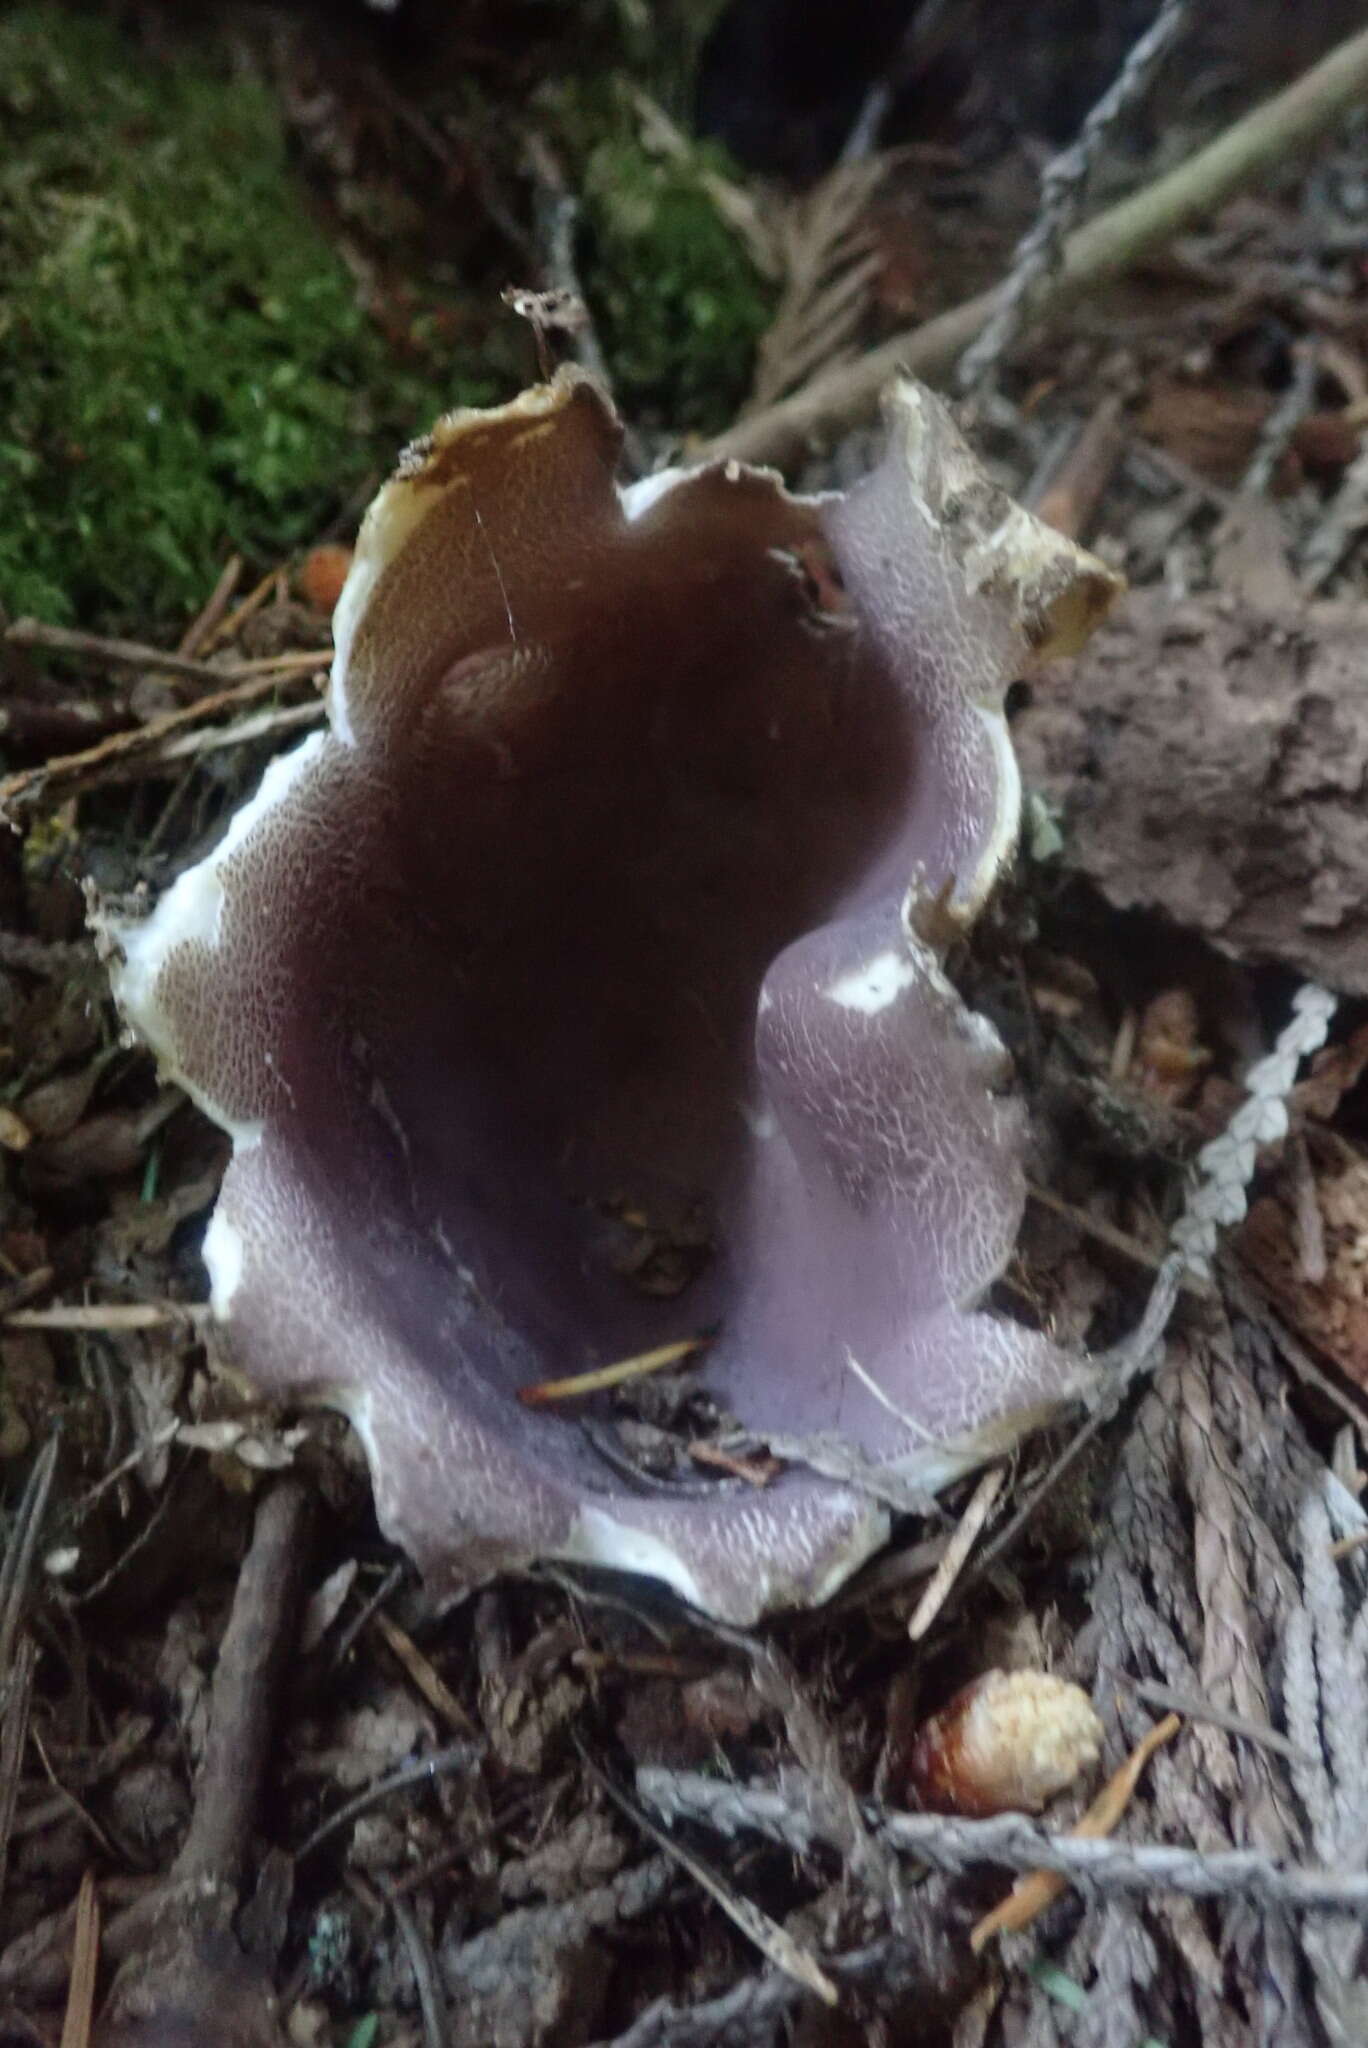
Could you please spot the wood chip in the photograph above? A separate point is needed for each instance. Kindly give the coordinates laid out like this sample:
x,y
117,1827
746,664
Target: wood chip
x,y
1070,500
755,1471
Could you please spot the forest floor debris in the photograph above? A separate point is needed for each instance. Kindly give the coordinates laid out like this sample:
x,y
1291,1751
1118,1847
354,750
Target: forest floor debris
x,y
433,1845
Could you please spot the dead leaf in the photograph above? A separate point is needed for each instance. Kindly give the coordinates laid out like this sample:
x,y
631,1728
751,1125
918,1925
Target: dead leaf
x,y
1215,430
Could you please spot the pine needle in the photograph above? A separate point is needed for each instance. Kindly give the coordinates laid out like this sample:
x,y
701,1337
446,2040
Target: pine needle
x,y
1031,1894
85,1957
603,1376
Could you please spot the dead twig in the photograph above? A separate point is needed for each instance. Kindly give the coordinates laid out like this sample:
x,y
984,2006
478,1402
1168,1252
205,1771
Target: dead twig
x,y
1123,1242
212,739
749,2011
205,623
1240,1285
245,608
486,1960
751,2008
557,223
255,1649
17,1652
117,754
1274,133
136,654
887,1578
1216,1199
1308,1225
108,653
734,205
14,1725
351,1630
181,1953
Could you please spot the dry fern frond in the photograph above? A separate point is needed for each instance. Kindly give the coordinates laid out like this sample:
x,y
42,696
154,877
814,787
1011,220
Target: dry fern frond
x,y
829,265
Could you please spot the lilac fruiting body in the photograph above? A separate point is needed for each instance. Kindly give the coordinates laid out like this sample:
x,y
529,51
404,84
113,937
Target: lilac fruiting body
x,y
578,989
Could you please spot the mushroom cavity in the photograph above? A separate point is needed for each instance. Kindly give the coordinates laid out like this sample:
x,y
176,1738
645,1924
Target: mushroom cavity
x,y
578,990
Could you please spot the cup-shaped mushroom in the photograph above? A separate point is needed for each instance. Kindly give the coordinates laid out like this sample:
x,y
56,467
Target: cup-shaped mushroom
x,y
577,990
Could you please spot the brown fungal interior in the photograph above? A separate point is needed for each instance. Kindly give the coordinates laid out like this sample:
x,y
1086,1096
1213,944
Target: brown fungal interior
x,y
592,837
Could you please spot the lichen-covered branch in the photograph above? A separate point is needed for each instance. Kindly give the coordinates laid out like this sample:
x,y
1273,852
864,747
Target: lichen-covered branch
x,y
1063,190
784,1815
1272,134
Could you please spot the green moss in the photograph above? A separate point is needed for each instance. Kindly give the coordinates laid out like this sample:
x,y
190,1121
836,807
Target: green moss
x,y
679,304
184,366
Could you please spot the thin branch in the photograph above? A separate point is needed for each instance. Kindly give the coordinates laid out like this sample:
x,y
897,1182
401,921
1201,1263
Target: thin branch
x,y
460,1756
213,739
255,1649
551,1929
1272,135
136,654
205,622
111,756
744,2013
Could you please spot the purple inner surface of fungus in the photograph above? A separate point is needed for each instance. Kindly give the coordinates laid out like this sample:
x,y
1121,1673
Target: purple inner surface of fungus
x,y
585,923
